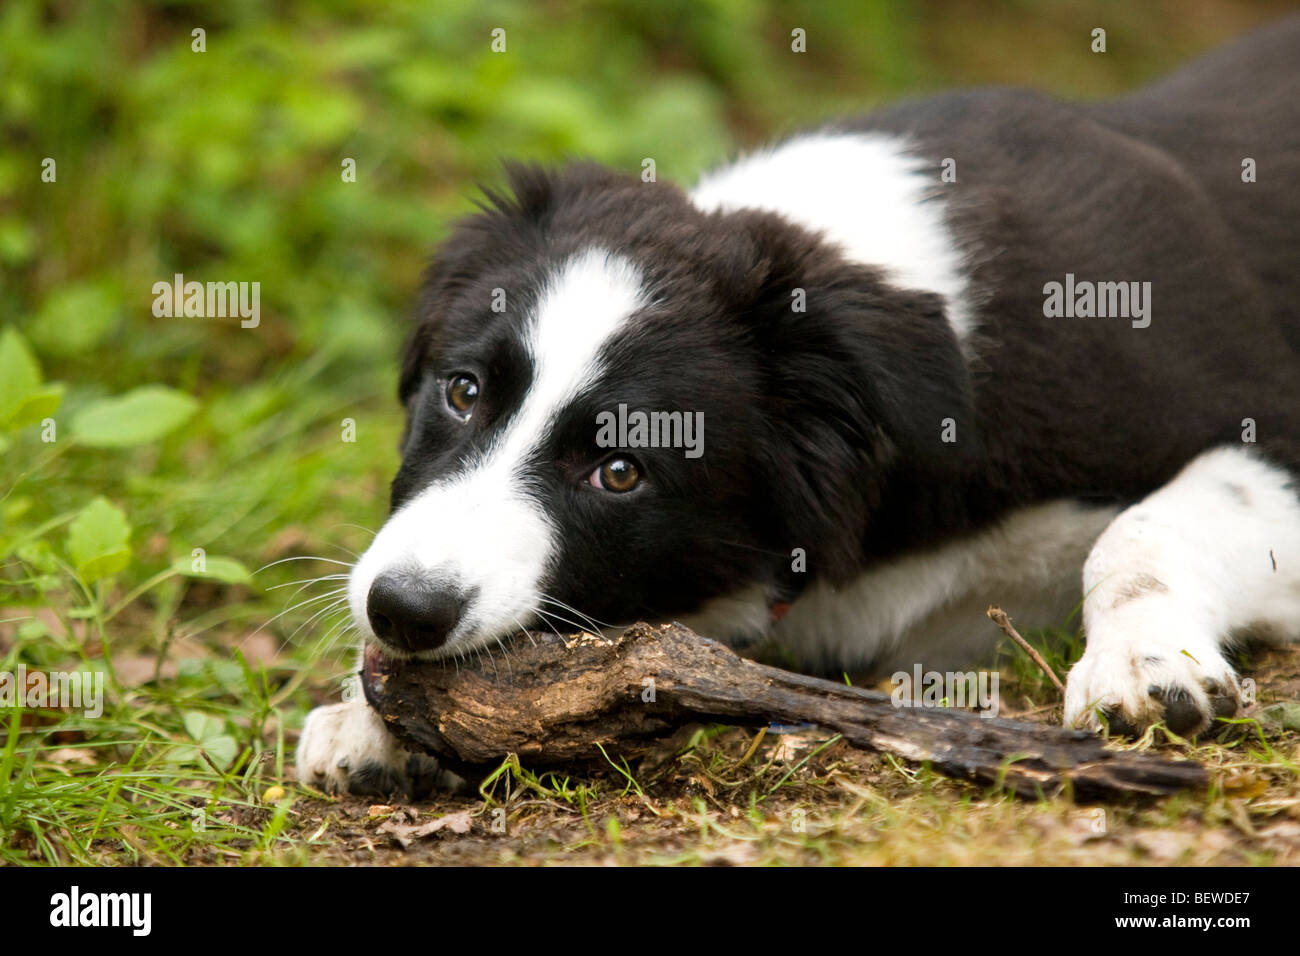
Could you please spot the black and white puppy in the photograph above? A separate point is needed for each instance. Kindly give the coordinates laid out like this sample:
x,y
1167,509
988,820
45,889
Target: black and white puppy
x,y
984,347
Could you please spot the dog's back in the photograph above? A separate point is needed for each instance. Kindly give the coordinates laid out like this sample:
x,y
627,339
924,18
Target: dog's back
x,y
1239,103
1147,188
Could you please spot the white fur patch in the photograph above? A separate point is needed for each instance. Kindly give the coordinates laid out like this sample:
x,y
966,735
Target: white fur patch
x,y
1211,555
864,192
481,527
929,608
339,740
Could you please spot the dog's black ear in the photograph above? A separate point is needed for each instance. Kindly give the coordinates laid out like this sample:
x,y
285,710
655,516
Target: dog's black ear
x,y
506,223
460,259
866,382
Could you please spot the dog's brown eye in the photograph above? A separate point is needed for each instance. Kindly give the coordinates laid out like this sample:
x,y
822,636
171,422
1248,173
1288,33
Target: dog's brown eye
x,y
618,475
462,393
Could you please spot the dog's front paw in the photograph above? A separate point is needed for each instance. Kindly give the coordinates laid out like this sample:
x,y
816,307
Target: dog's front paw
x,y
345,748
1131,686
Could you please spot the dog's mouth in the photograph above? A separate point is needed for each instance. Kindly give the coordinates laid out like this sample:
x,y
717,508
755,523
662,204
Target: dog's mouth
x,y
375,658
378,662
376,667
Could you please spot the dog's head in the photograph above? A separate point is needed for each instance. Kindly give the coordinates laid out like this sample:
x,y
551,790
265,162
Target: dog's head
x,y
553,326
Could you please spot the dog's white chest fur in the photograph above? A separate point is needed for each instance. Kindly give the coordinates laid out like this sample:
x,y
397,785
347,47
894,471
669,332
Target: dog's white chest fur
x,y
929,607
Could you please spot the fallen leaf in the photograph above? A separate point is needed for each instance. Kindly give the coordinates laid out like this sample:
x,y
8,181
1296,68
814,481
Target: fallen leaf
x,y
72,755
406,834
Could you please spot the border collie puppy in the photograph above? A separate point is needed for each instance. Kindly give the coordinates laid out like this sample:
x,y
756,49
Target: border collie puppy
x,y
983,347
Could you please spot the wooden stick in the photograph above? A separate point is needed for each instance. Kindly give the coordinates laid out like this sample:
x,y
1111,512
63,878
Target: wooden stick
x,y
557,702
999,617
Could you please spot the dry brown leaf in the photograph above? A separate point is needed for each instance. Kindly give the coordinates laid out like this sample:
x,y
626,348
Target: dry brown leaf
x,y
71,755
405,834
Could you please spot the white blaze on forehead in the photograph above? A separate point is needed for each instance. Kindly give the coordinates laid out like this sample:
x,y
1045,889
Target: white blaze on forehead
x,y
580,309
481,529
866,193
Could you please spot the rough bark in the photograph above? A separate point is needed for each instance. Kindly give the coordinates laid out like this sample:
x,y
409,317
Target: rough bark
x,y
552,701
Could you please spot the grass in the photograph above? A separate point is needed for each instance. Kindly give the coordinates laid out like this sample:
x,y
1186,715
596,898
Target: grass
x,y
138,786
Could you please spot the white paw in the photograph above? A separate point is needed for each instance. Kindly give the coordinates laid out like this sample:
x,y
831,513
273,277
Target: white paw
x,y
1132,684
345,748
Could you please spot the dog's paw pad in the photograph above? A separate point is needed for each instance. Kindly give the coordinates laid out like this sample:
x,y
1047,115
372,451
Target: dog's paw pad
x,y
1183,713
1126,692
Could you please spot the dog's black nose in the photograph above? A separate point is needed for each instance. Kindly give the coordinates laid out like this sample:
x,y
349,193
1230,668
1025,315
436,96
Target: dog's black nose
x,y
412,614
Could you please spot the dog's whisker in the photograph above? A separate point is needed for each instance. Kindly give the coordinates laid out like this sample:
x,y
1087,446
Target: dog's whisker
x,y
505,655
749,547
303,587
306,581
551,599
541,616
301,604
344,622
488,651
337,633
338,602
327,647
559,617
596,624
523,630
359,527
305,557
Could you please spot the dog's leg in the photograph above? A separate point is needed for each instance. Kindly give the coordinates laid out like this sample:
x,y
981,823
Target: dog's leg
x,y
1210,556
345,748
